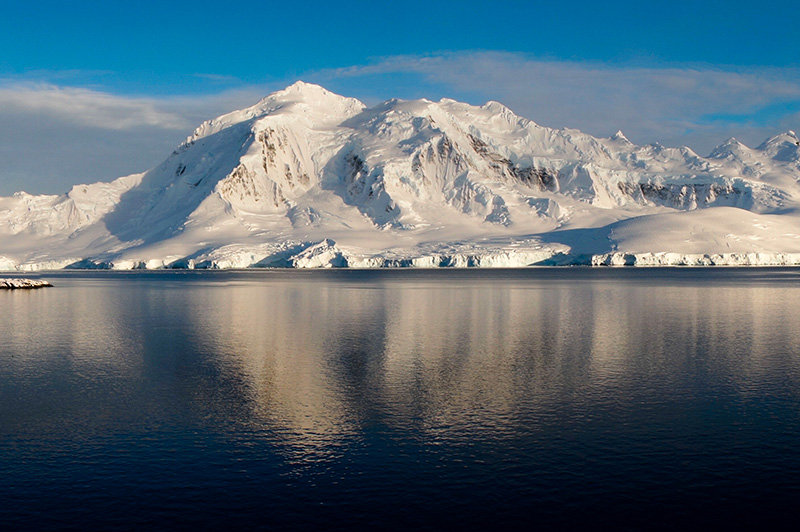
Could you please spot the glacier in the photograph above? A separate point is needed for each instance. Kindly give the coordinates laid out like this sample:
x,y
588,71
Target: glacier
x,y
309,179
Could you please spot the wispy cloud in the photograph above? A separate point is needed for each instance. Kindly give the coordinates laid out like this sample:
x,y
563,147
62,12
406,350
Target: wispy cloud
x,y
52,137
218,78
87,107
674,104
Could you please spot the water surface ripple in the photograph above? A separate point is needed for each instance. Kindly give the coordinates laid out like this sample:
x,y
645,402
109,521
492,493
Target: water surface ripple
x,y
611,399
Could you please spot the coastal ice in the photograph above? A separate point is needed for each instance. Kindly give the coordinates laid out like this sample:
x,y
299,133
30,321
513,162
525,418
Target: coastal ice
x,y
13,284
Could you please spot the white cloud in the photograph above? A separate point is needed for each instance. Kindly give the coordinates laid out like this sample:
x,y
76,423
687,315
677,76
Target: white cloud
x,y
53,137
87,107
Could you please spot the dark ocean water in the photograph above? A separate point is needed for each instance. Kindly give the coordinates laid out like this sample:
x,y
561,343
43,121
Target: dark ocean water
x,y
546,398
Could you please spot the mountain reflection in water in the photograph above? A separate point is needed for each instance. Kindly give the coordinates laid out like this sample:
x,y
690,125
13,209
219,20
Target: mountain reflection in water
x,y
386,399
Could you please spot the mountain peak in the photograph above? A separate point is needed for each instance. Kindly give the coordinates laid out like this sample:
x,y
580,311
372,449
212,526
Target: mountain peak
x,y
302,87
730,148
620,137
782,147
496,107
786,136
325,106
302,92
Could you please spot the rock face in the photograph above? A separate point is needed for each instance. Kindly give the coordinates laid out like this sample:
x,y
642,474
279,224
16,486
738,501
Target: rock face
x,y
307,178
14,284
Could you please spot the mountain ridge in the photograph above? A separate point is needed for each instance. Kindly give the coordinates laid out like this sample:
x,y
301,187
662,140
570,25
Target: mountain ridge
x,y
308,178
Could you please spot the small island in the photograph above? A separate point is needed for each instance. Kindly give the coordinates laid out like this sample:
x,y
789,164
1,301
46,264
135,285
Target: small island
x,y
14,284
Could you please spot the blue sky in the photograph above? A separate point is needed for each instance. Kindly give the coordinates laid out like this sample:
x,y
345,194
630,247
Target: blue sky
x,y
93,90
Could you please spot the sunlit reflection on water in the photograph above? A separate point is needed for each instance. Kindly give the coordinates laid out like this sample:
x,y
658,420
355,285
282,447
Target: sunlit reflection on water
x,y
400,398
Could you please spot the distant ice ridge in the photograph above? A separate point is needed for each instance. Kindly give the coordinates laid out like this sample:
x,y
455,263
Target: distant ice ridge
x,y
694,259
16,284
324,254
307,179
327,254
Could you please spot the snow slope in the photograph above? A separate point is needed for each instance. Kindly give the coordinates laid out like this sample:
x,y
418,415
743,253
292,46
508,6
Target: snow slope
x,y
307,178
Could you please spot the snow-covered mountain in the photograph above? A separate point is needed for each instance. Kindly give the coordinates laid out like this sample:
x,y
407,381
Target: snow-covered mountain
x,y
307,178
